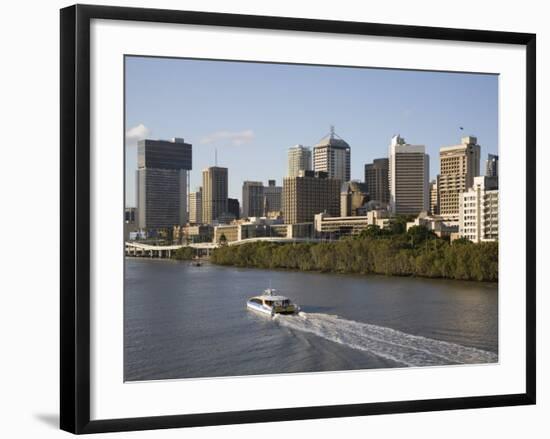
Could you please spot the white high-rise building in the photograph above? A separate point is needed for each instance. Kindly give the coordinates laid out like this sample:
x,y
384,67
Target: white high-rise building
x,y
409,168
299,159
333,156
478,219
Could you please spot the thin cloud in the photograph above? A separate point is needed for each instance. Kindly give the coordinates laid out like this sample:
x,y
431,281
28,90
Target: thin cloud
x,y
235,138
138,132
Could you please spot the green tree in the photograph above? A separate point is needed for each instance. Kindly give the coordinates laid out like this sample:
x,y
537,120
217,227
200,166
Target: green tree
x,y
223,239
372,231
418,234
184,254
398,224
430,256
462,241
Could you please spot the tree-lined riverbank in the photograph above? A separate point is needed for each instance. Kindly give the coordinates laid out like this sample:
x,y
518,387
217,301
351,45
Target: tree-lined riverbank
x,y
415,253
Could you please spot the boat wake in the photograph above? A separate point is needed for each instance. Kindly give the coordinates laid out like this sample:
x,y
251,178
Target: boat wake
x,y
405,349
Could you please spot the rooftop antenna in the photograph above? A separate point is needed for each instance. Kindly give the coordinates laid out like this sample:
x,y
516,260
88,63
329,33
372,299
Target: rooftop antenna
x,y
332,131
216,157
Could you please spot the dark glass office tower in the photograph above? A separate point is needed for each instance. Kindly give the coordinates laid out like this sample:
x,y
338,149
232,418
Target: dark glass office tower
x,y
376,179
163,169
491,166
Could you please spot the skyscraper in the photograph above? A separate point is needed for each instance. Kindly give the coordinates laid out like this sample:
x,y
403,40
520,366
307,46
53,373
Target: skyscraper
x,y
253,199
214,193
333,156
299,159
434,196
162,176
233,207
376,179
459,164
195,206
409,168
353,196
491,165
309,193
272,197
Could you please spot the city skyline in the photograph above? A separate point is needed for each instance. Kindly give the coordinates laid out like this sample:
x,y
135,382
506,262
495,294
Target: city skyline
x,y
252,113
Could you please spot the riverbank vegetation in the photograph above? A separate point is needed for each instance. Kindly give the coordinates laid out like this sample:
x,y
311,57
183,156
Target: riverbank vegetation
x,y
184,254
417,252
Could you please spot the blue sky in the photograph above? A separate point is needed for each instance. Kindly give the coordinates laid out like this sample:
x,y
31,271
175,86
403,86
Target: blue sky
x,y
252,113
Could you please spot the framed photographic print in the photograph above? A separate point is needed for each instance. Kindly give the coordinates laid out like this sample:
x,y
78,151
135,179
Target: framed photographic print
x,y
304,218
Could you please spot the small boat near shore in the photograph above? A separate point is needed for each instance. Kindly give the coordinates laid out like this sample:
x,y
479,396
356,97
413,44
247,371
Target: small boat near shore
x,y
272,303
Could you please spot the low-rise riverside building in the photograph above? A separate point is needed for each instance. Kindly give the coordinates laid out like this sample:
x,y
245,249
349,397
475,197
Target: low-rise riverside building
x,y
263,220
290,231
279,231
252,230
197,233
442,227
262,228
337,227
230,231
478,218
300,230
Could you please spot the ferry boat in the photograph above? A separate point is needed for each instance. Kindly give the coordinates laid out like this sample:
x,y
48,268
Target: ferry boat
x,y
272,303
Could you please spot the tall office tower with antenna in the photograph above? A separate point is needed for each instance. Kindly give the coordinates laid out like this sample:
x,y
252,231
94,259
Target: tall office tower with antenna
x,y
333,156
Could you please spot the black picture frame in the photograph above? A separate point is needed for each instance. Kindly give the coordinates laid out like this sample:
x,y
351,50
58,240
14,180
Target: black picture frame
x,y
75,217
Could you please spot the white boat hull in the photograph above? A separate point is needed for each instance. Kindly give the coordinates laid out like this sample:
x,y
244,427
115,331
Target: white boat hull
x,y
259,308
268,310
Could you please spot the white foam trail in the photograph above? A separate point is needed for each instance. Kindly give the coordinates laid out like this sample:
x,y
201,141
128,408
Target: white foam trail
x,y
407,349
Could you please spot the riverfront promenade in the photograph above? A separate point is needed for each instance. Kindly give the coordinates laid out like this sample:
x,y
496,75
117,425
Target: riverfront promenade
x,y
203,248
